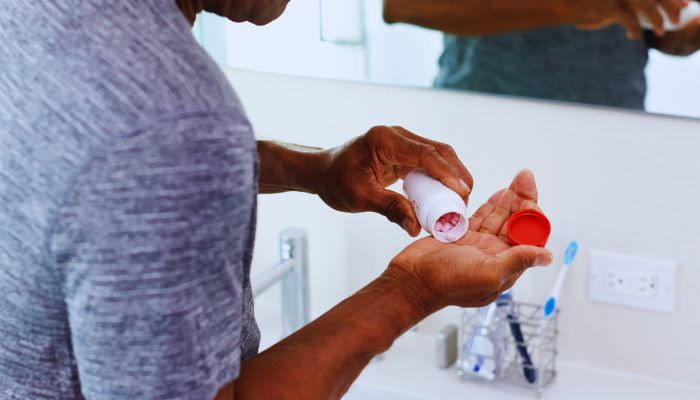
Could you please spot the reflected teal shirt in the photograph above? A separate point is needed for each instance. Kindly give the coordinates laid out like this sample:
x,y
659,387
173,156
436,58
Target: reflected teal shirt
x,y
560,63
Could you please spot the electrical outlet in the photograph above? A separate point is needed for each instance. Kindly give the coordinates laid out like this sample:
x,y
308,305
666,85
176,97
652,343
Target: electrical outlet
x,y
632,281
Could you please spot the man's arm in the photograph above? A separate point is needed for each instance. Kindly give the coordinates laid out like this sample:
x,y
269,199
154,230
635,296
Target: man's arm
x,y
353,177
321,360
144,243
483,17
478,17
286,167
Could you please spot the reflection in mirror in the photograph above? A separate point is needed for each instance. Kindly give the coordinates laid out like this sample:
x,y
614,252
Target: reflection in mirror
x,y
584,51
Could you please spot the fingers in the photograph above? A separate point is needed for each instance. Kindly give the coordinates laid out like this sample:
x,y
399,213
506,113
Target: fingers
x,y
446,151
673,8
502,210
530,205
525,190
396,208
524,185
484,211
629,19
634,14
492,217
397,151
648,10
398,146
514,261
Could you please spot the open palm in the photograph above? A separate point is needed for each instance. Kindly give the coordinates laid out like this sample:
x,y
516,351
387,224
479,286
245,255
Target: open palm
x,y
474,270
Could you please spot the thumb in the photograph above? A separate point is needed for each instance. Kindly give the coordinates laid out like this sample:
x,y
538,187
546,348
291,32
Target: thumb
x,y
514,261
396,208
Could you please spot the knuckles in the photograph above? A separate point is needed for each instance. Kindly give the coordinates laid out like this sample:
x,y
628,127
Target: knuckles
x,y
379,133
393,209
448,151
428,151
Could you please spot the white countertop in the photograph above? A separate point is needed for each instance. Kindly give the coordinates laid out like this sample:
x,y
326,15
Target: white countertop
x,y
408,367
408,372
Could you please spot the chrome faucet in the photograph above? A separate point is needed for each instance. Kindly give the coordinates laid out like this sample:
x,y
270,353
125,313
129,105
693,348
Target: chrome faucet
x,y
292,271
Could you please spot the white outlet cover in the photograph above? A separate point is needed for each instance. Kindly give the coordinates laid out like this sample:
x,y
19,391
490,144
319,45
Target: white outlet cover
x,y
661,272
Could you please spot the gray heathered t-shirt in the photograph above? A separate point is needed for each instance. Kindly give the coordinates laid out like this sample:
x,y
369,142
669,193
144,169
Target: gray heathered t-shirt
x,y
559,63
128,181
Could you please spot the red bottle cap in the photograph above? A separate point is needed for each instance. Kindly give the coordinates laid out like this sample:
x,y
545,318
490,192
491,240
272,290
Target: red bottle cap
x,y
528,227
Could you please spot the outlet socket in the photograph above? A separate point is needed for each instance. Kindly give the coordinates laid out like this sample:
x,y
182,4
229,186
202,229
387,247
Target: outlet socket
x,y
632,281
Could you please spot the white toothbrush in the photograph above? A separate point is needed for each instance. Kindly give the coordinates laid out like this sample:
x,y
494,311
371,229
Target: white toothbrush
x,y
480,347
551,304
482,342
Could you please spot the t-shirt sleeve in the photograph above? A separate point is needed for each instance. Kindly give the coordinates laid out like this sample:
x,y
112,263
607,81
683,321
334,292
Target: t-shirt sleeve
x,y
150,242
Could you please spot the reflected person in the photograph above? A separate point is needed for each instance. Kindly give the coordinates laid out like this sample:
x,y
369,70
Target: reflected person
x,y
588,51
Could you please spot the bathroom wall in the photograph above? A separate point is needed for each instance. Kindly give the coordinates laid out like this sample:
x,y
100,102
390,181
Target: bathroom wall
x,y
613,180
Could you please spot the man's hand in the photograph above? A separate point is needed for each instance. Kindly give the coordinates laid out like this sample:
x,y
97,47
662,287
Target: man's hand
x,y
485,17
476,269
354,176
596,14
683,42
423,278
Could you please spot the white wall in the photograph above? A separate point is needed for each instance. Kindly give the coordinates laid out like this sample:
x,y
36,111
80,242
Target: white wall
x,y
673,86
613,180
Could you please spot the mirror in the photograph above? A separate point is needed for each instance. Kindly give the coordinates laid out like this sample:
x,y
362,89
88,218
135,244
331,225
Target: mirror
x,y
350,40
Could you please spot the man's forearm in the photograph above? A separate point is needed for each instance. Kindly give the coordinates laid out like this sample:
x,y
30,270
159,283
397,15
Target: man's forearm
x,y
288,167
479,17
321,360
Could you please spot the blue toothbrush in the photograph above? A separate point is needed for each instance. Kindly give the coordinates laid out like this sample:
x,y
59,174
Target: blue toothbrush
x,y
528,367
551,304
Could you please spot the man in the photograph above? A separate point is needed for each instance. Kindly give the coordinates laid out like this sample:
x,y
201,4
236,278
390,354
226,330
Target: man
x,y
128,187
547,48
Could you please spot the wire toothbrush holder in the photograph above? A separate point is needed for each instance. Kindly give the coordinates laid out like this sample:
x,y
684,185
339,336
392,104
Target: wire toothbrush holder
x,y
509,342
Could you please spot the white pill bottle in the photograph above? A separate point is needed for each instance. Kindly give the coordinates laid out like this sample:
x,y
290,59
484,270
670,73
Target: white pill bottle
x,y
440,211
